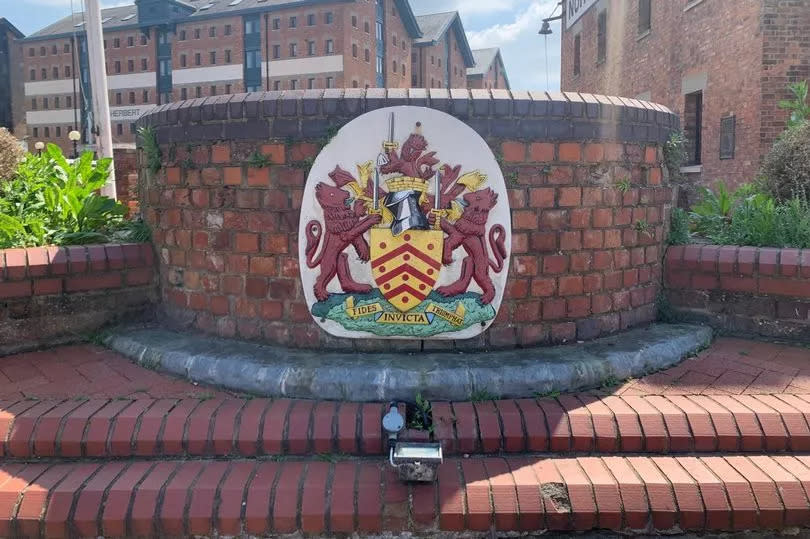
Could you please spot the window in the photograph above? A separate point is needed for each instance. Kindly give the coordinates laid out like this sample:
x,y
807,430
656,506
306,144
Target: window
x,y
197,59
227,29
228,56
252,26
117,67
252,59
311,19
577,54
354,84
182,35
133,128
143,39
293,22
58,131
330,46
144,64
394,66
36,132
227,88
311,48
293,50
644,16
330,82
366,27
601,37
183,60
32,75
440,62
44,73
56,102
277,85
130,41
145,97
55,73
354,50
368,55
42,51
276,51
310,84
728,129
293,84
183,93
276,24
379,64
31,52
692,126
34,103
45,104
394,40
67,72
165,67
403,70
118,98
354,21
47,132
66,48
69,103
131,98
130,66
53,49
327,18
212,90
212,31
213,57
379,27
119,129
433,60
196,33
164,98
117,43
198,91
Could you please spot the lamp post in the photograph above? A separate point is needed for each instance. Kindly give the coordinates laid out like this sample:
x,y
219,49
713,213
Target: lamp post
x,y
75,137
39,146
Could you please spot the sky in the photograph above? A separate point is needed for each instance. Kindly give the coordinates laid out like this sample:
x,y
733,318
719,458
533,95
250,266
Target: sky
x,y
511,25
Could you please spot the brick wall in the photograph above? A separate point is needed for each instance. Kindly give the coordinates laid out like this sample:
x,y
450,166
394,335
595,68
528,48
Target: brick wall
x,y
52,294
745,290
717,39
586,257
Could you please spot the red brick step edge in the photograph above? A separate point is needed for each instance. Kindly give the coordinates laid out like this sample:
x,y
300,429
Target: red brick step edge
x,y
239,427
173,498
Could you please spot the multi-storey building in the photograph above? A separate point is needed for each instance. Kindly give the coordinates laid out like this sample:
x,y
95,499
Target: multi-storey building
x,y
723,66
488,71
12,116
159,51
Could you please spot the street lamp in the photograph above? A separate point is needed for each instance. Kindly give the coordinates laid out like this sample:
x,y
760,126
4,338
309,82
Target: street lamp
x,y
75,137
39,146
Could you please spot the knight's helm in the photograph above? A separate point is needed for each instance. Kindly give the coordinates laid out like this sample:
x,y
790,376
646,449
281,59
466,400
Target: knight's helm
x,y
404,205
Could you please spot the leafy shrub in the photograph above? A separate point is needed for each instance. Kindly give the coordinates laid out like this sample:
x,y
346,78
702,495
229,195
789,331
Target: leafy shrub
x,y
11,153
679,228
786,169
798,106
675,154
50,201
748,217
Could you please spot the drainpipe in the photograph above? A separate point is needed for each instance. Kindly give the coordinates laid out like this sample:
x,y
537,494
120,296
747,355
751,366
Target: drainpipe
x,y
267,51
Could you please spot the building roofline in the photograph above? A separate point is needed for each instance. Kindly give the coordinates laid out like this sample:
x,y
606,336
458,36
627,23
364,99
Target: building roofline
x,y
408,18
13,29
461,36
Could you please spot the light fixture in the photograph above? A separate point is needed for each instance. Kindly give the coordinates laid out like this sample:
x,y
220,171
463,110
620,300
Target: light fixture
x,y
39,146
75,137
545,30
417,462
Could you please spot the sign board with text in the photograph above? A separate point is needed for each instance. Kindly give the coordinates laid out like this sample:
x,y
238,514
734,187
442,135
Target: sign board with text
x,y
574,9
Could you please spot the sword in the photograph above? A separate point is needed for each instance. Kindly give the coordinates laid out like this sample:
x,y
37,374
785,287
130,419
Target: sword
x,y
382,160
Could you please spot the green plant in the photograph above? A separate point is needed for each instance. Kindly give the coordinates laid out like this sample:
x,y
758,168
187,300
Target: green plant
x,y
50,201
666,313
148,139
785,171
675,154
679,228
610,381
420,419
547,395
481,395
258,160
798,106
643,227
11,153
623,185
713,212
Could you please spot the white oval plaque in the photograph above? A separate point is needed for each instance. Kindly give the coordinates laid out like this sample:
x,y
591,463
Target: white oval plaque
x,y
381,255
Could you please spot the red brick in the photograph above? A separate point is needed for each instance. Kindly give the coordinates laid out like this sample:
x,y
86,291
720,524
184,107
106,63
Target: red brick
x,y
570,152
787,484
121,494
259,492
313,498
20,289
451,497
175,497
275,153
231,495
285,507
594,153
514,152
738,492
652,424
298,422
541,152
581,494
201,506
569,196
659,491
220,153
275,420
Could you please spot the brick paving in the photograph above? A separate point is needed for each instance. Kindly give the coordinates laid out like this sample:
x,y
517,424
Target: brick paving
x,y
715,443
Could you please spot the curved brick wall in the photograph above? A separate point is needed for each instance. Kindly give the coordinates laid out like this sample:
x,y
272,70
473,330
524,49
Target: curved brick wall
x,y
586,258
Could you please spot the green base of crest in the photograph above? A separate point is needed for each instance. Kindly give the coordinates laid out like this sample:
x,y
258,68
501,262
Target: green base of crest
x,y
334,308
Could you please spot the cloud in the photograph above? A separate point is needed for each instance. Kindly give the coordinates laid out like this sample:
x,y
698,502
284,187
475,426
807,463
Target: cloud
x,y
464,7
523,50
78,5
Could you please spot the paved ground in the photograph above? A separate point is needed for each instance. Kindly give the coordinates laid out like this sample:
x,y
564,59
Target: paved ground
x,y
730,366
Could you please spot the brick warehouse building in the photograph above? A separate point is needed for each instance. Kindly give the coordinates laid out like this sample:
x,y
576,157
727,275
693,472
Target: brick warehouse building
x,y
488,71
723,66
11,114
166,50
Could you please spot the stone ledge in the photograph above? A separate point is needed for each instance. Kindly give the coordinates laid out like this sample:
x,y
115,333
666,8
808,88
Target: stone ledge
x,y
282,372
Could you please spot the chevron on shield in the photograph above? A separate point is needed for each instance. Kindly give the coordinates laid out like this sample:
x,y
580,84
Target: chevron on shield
x,y
406,267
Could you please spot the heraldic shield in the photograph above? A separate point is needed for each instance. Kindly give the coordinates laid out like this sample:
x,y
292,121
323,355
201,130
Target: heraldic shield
x,y
406,267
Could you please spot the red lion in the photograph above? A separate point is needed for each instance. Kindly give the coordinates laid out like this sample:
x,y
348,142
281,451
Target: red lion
x,y
344,227
469,231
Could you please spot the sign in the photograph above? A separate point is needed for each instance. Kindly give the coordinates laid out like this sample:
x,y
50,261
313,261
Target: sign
x,y
405,229
128,114
574,9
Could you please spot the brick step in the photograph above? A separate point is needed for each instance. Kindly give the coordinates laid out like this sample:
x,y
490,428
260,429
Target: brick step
x,y
174,498
240,427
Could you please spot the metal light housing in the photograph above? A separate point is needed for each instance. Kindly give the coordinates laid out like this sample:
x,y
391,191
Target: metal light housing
x,y
416,462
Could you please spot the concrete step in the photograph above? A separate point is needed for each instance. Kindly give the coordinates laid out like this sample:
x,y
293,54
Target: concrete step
x,y
171,498
100,428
